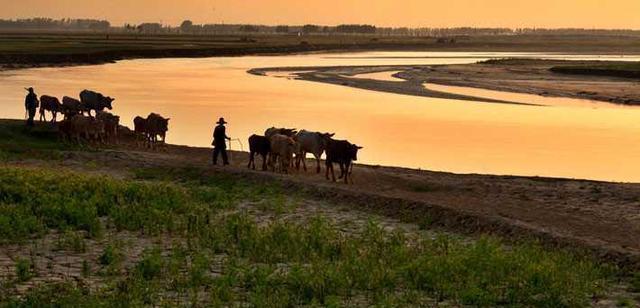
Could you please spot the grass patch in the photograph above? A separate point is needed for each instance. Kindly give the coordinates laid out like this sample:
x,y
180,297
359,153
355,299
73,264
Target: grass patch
x,y
24,269
33,202
285,264
279,263
41,142
616,69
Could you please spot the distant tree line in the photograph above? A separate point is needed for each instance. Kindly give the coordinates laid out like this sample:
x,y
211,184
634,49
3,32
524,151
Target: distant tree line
x,y
55,24
188,27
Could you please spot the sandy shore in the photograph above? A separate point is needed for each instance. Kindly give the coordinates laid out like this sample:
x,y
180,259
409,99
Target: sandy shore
x,y
518,76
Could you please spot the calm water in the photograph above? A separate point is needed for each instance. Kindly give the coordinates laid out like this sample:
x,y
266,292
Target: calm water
x,y
564,139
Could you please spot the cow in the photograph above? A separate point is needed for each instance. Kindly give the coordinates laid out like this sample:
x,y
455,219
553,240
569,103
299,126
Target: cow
x,y
71,107
311,142
258,145
49,103
140,129
157,125
281,150
343,153
95,101
289,132
111,123
65,130
79,126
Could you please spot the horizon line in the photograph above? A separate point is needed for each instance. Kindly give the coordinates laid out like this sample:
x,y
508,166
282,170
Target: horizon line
x,y
165,24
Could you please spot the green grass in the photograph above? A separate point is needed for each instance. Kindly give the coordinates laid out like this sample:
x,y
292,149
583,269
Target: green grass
x,y
34,201
324,267
41,142
617,69
279,263
24,269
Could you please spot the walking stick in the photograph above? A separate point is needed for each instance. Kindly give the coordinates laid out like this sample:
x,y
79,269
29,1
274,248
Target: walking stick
x,y
230,154
239,142
241,147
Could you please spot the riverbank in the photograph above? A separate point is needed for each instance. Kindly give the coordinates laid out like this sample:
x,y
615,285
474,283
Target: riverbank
x,y
29,49
586,215
529,76
124,224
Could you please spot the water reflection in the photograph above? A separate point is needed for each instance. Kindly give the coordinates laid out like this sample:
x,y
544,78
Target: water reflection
x,y
436,134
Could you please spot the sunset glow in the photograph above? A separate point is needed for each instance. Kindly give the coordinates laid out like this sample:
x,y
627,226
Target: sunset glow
x,y
413,13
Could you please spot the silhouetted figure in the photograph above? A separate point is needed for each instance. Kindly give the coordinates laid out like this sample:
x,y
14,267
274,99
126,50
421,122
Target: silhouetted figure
x,y
219,142
30,105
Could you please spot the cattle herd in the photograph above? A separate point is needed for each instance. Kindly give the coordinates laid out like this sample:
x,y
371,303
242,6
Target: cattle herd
x,y
104,127
281,149
284,148
76,126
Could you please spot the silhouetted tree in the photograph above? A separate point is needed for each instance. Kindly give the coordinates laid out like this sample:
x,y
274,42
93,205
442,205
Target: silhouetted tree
x,y
249,28
310,29
186,26
282,29
356,29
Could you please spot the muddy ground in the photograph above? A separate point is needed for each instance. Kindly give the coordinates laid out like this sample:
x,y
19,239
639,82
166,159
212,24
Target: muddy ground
x,y
527,76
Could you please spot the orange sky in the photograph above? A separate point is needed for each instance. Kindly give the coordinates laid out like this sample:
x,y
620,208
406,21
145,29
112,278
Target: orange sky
x,y
428,13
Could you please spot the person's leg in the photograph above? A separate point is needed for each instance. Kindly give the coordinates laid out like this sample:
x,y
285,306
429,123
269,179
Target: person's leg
x,y
225,158
29,118
216,151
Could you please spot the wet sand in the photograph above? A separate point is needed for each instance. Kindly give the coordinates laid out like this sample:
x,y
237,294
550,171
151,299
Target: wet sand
x,y
518,76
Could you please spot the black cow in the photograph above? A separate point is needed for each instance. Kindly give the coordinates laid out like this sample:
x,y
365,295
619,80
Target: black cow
x,y
95,101
343,153
258,145
49,103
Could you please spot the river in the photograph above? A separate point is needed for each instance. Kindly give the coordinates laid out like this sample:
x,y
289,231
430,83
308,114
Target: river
x,y
590,141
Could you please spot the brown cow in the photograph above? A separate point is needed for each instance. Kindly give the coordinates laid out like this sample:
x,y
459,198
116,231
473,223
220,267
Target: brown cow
x,y
71,107
51,104
111,123
81,127
281,150
289,132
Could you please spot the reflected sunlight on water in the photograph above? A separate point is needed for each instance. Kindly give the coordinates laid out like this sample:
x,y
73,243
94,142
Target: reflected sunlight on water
x,y
436,134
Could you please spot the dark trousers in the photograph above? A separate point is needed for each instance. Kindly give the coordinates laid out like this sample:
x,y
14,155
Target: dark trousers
x,y
220,150
32,115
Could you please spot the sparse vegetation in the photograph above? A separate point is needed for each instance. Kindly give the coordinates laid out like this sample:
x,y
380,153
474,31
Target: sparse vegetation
x,y
228,241
281,263
618,69
41,142
23,269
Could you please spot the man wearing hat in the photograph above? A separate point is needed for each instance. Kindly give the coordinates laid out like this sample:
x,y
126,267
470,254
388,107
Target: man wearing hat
x,y
30,105
219,142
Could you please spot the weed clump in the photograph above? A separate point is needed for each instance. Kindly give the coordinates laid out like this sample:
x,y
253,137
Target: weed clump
x,y
24,270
